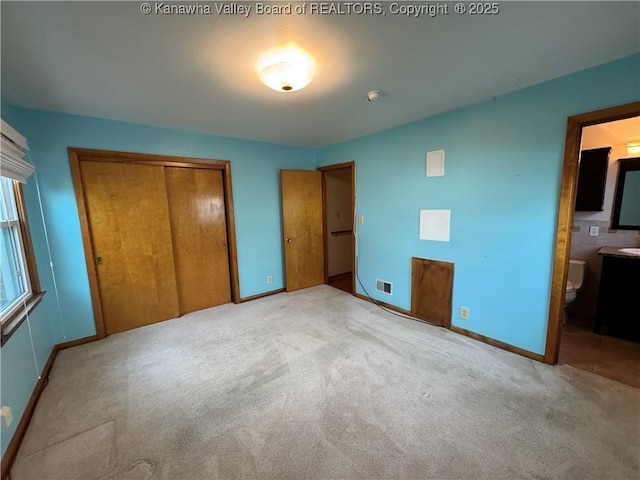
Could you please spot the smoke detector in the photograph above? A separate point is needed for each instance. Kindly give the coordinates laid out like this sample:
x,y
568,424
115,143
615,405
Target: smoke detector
x,y
374,95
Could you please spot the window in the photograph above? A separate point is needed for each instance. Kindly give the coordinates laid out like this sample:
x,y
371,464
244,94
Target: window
x,y
15,285
19,287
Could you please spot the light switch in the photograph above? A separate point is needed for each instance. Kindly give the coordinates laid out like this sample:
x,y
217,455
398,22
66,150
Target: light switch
x,y
594,231
361,219
7,414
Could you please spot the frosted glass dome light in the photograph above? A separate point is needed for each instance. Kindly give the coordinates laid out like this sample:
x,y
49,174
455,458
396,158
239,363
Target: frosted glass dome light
x,y
287,69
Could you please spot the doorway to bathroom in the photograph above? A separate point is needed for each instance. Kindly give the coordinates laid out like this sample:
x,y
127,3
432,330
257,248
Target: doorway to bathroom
x,y
583,229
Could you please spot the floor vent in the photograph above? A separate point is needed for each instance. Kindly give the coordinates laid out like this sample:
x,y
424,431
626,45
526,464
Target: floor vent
x,y
384,287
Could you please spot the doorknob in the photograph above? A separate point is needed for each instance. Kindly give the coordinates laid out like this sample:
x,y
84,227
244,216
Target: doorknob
x,y
99,260
288,240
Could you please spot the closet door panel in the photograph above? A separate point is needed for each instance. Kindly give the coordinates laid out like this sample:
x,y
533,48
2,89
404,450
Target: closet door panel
x,y
199,232
131,235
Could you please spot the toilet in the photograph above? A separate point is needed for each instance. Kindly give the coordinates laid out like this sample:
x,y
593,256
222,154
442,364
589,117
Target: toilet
x,y
575,280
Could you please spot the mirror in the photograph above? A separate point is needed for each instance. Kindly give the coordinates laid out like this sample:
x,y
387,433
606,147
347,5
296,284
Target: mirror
x,y
626,207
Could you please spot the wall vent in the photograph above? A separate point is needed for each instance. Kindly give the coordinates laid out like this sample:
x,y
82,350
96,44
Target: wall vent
x,y
384,286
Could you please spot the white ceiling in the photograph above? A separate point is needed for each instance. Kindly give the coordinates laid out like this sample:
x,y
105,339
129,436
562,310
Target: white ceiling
x,y
615,134
106,59
622,131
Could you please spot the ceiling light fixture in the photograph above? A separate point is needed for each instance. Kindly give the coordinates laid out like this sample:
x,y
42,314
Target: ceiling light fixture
x,y
286,69
633,149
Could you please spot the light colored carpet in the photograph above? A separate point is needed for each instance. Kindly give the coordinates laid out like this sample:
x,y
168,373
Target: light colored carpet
x,y
318,384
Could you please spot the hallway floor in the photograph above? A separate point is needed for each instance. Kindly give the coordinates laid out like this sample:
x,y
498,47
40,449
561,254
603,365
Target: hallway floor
x,y
342,282
609,357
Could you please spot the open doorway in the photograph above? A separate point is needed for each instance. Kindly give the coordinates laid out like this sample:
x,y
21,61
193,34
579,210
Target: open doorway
x,y
583,344
339,204
576,240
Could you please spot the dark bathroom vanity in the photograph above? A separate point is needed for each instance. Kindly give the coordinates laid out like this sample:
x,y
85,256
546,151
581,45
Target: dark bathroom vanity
x,y
617,313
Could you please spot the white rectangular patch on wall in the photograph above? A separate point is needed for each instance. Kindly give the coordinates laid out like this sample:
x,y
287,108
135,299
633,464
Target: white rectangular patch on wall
x,y
435,163
435,225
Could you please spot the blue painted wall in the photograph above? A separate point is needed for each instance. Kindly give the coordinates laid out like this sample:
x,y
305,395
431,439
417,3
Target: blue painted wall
x,y
20,364
502,182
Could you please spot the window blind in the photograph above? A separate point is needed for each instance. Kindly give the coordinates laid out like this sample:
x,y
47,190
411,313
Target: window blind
x,y
13,148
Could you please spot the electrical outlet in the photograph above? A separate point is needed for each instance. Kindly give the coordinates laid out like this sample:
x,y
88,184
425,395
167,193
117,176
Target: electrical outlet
x,y
464,313
594,231
269,279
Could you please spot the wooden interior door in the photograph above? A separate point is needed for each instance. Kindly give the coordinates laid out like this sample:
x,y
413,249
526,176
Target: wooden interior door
x,y
199,230
131,234
432,291
303,228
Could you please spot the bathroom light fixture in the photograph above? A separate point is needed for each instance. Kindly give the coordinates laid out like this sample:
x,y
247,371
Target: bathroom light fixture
x,y
633,149
286,69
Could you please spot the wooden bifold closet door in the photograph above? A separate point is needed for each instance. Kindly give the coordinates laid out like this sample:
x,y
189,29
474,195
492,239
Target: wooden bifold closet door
x,y
159,237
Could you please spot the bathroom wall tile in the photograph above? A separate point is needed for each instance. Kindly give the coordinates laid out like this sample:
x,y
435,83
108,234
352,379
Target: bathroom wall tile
x,y
585,247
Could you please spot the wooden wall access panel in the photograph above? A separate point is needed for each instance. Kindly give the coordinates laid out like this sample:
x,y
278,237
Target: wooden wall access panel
x,y
431,291
199,229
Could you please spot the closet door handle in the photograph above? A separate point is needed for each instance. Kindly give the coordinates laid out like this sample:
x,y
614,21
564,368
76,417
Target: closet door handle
x,y
99,260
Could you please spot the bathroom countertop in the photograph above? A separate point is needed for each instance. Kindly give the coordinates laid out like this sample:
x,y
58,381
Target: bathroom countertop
x,y
614,252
